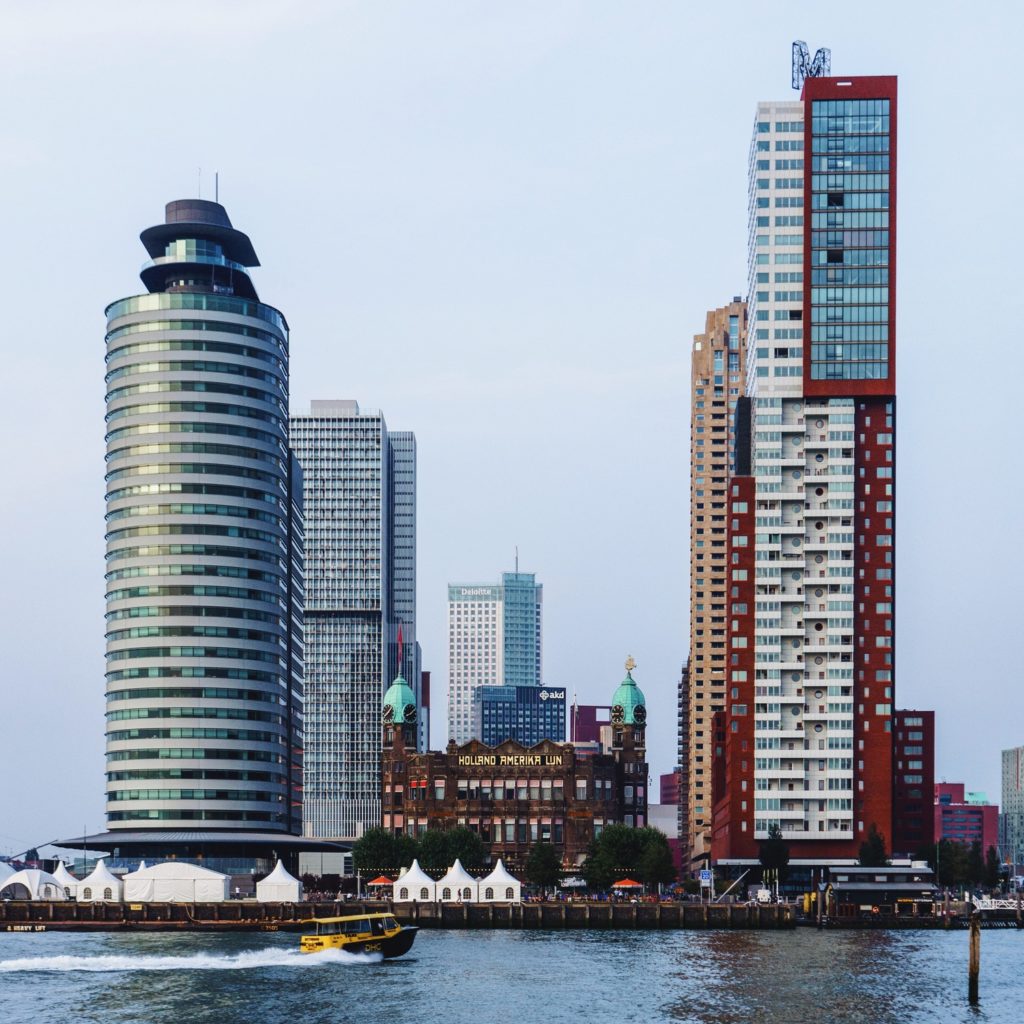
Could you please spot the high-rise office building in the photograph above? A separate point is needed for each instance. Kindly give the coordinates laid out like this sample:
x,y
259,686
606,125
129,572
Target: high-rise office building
x,y
204,545
494,639
717,381
526,714
360,500
1011,817
809,708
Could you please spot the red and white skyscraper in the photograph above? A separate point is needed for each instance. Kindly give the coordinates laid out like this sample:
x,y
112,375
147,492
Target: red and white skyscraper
x,y
806,741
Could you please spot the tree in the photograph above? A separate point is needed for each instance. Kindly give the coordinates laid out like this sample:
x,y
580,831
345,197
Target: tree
x,y
975,864
618,851
614,853
433,849
543,866
950,863
438,849
380,850
656,865
774,856
872,850
465,846
993,868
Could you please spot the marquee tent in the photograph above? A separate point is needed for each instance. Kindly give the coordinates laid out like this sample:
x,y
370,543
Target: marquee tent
x,y
66,879
500,887
279,887
176,882
458,885
5,870
415,886
32,884
102,886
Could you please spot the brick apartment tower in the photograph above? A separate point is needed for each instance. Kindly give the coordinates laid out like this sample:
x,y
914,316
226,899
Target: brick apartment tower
x,y
807,731
717,380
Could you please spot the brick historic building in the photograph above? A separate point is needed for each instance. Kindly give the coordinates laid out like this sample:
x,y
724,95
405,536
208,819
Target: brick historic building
x,y
514,796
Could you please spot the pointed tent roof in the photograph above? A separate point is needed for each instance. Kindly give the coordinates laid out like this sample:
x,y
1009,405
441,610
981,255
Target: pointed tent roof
x,y
415,876
64,876
101,876
33,880
499,876
280,875
5,870
457,877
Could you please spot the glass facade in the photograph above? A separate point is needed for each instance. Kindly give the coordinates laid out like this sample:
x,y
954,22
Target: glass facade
x,y
360,502
850,239
204,543
525,714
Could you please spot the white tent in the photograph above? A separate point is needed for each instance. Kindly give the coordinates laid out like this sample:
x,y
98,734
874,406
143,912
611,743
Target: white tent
x,y
32,884
5,870
176,882
66,879
500,887
279,887
101,886
415,886
457,886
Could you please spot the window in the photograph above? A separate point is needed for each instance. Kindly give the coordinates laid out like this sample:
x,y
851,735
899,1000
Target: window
x,y
403,894
510,893
424,893
488,893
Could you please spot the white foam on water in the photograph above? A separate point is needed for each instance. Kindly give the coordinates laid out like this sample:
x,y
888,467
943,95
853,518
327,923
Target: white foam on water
x,y
252,960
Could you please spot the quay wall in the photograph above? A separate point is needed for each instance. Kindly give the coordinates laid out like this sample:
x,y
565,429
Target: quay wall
x,y
242,915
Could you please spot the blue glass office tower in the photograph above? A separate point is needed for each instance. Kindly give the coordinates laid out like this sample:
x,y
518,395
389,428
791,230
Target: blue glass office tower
x,y
204,573
360,501
526,714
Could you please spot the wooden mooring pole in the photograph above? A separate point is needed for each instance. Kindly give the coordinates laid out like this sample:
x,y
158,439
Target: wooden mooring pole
x,y
974,968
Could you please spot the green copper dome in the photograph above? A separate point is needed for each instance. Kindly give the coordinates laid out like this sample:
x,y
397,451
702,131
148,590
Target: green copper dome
x,y
400,702
628,704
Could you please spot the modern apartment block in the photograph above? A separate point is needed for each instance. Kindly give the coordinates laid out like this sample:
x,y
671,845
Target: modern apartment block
x,y
717,381
360,500
204,547
1011,818
494,639
808,723
913,783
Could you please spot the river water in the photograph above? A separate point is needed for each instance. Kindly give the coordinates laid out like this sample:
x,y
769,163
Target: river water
x,y
521,977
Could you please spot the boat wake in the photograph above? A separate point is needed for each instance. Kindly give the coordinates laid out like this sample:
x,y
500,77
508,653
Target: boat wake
x,y
253,960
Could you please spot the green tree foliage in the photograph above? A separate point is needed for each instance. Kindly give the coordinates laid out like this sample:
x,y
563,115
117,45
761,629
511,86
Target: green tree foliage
x,y
620,850
380,850
464,845
432,849
872,850
656,865
774,856
949,861
543,866
975,864
993,868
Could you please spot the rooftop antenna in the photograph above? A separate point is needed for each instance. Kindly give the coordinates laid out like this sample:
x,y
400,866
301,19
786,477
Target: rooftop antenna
x,y
200,189
517,559
216,186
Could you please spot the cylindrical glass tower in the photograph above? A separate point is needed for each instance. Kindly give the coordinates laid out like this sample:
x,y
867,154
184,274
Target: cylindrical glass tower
x,y
203,558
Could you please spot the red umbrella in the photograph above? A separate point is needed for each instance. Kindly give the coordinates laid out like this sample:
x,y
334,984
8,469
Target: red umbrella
x,y
382,880
628,883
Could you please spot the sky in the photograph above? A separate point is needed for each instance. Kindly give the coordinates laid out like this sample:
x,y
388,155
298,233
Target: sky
x,y
501,224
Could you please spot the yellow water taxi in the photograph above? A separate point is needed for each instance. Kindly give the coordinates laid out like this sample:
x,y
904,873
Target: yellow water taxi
x,y
359,933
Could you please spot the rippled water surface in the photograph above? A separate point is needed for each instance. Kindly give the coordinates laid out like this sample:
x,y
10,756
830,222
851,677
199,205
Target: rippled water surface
x,y
801,977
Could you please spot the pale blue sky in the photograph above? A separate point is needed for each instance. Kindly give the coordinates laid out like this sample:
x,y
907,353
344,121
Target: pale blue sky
x,y
502,223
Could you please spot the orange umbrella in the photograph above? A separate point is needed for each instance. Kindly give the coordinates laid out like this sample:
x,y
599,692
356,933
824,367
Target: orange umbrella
x,y
382,880
628,883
